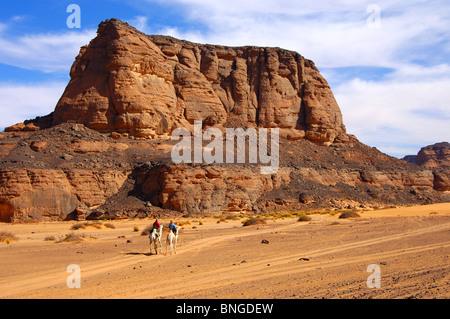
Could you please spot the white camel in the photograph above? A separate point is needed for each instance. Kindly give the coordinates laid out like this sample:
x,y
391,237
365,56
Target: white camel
x,y
154,239
171,240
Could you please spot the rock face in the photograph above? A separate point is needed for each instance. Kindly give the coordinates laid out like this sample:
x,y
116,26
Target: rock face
x,y
70,171
437,158
410,159
30,194
193,190
105,151
434,156
128,82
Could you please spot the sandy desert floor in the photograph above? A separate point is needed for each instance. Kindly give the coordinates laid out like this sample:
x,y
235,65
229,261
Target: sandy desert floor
x,y
326,257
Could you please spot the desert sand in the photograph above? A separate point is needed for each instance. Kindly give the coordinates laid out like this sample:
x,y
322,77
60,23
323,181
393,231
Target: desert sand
x,y
326,257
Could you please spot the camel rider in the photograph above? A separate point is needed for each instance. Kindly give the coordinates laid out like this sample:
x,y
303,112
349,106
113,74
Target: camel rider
x,y
173,227
157,227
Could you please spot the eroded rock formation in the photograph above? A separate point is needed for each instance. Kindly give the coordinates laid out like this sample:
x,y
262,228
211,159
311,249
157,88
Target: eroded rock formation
x,y
146,86
434,156
105,151
52,194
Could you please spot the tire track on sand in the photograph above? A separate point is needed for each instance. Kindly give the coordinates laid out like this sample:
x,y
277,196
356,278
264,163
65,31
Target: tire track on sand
x,y
287,264
39,280
20,284
258,271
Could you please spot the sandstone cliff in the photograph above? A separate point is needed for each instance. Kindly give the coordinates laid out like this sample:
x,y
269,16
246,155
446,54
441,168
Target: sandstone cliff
x,y
70,171
36,194
434,156
128,82
437,158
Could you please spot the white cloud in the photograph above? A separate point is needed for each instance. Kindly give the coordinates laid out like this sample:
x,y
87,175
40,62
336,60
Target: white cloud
x,y
53,52
397,114
332,33
19,18
140,23
193,36
414,72
19,102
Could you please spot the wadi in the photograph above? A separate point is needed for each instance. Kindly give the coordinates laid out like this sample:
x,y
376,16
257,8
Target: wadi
x,y
80,185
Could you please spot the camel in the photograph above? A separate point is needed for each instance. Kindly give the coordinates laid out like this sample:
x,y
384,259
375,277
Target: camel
x,y
171,241
154,238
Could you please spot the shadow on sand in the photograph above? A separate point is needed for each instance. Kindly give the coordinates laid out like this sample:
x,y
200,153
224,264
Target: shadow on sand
x,y
138,253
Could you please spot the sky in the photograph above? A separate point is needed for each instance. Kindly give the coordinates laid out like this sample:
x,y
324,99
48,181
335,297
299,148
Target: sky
x,y
387,62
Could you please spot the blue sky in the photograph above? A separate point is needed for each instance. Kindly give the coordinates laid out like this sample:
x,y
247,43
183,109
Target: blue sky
x,y
387,62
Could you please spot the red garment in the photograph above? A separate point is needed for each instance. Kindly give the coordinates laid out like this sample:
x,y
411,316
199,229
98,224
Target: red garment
x,y
156,225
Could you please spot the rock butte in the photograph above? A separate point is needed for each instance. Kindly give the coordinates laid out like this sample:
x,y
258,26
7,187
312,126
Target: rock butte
x,y
105,150
434,156
126,81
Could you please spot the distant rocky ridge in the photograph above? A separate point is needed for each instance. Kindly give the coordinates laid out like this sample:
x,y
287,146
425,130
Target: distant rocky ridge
x,y
436,156
105,150
410,159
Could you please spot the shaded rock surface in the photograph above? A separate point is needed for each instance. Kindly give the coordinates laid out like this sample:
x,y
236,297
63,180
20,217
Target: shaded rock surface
x,y
435,157
130,177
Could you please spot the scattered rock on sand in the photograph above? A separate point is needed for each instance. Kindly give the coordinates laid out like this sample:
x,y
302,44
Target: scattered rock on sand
x,y
38,146
349,214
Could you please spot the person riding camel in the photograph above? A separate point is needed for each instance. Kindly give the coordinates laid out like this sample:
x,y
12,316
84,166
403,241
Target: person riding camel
x,y
173,227
157,226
